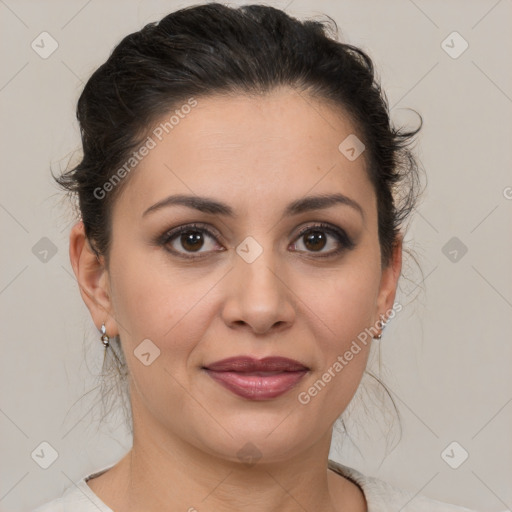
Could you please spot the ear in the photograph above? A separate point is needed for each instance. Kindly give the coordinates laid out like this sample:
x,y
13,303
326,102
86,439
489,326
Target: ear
x,y
389,281
92,278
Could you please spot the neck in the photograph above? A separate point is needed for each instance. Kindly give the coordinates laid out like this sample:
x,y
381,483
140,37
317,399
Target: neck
x,y
180,478
165,473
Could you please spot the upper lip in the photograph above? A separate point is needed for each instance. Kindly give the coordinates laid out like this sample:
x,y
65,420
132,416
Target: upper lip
x,y
250,364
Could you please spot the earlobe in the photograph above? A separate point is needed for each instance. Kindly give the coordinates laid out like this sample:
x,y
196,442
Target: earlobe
x,y
92,278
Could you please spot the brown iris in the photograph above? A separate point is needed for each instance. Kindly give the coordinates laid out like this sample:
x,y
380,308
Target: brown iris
x,y
315,240
192,240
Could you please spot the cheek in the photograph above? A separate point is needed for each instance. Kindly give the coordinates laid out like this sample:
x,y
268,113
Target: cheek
x,y
342,304
165,310
150,299
340,310
172,312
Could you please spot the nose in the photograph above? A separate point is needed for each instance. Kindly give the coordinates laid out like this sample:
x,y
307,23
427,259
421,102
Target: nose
x,y
258,297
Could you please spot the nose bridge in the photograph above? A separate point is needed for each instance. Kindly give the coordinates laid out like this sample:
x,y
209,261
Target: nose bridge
x,y
258,296
255,264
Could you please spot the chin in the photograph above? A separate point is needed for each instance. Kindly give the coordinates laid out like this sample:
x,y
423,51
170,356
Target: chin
x,y
263,440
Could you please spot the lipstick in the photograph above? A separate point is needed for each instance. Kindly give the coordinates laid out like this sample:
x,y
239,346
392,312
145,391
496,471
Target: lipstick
x,y
257,379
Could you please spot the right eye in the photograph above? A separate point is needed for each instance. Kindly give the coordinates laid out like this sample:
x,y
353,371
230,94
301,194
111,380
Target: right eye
x,y
191,238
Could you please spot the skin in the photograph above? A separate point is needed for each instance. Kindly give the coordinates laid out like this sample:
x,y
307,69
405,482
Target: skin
x,y
256,154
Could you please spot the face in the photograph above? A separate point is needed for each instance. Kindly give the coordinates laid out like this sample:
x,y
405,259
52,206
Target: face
x,y
245,279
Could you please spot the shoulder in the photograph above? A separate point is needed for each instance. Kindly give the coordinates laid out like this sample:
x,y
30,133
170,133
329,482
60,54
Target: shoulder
x,y
384,497
78,497
51,506
73,499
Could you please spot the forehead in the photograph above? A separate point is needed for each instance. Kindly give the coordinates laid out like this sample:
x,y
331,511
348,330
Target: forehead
x,y
251,149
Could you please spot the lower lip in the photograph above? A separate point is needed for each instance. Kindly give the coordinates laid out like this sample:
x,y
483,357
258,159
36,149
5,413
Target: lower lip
x,y
257,387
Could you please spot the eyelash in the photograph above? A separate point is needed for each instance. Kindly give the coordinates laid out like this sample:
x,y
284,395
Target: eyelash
x,y
343,239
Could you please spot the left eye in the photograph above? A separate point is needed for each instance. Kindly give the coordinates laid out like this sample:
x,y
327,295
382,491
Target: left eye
x,y
315,238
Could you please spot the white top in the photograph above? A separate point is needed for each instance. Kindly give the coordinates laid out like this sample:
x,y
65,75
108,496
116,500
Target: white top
x,y
380,496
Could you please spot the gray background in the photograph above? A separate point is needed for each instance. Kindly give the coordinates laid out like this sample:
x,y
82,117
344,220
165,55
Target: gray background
x,y
445,358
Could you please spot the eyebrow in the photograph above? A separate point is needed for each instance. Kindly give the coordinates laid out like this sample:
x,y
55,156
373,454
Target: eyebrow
x,y
212,206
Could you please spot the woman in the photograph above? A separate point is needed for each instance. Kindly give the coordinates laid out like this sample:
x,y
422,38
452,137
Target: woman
x,y
242,194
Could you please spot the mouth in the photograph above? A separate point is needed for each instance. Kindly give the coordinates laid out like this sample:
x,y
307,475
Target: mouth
x,y
257,379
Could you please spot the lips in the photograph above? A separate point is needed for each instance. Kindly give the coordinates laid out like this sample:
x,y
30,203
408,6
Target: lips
x,y
249,364
257,379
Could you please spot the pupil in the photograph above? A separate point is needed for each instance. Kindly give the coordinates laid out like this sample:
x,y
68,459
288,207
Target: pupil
x,y
313,237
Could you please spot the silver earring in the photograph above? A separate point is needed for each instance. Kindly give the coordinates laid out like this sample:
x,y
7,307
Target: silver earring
x,y
104,338
383,324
